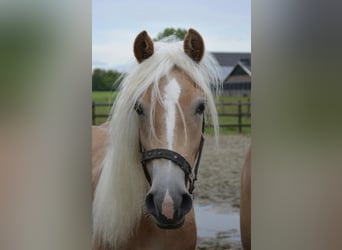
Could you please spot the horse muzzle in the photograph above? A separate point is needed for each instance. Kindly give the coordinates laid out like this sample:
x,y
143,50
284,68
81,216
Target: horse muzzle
x,y
169,198
168,208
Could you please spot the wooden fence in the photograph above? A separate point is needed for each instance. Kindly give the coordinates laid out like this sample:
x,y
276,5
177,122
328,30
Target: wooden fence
x,y
232,115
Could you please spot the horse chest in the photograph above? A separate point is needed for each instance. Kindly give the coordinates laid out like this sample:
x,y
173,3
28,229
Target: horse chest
x,y
150,237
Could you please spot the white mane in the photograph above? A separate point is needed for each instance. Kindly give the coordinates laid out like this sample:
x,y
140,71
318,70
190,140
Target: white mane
x,y
119,196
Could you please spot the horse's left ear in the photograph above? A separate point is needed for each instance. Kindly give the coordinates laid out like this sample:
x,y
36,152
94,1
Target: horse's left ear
x,y
143,46
194,45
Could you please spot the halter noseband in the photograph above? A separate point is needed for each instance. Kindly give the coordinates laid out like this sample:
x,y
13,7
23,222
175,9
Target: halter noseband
x,y
179,160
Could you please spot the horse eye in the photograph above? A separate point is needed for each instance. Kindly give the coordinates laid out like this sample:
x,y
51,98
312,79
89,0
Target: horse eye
x,y
200,109
138,109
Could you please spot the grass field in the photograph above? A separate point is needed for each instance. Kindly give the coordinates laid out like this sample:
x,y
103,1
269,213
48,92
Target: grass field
x,y
109,97
103,96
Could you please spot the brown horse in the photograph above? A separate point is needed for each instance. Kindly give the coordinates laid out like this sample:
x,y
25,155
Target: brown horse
x,y
145,158
245,203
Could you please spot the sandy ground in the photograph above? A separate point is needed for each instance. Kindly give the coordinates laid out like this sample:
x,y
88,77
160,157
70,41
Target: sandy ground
x,y
218,184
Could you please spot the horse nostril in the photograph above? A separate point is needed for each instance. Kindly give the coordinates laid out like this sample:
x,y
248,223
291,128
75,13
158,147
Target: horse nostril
x,y
150,205
186,204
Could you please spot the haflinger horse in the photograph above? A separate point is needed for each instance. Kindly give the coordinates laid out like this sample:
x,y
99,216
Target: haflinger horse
x,y
245,203
145,158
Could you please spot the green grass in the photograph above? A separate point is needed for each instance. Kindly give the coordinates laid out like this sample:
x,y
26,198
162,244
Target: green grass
x,y
103,96
108,97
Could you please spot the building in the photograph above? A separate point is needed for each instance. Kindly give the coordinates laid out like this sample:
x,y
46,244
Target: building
x,y
236,73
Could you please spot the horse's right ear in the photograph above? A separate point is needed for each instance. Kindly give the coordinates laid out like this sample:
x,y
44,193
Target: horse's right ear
x,y
143,47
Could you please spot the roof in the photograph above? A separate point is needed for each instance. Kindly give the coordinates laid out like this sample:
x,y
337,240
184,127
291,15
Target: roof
x,y
230,59
225,71
244,73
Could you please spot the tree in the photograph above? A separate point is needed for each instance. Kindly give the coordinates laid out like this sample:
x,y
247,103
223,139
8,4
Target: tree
x,y
179,33
105,80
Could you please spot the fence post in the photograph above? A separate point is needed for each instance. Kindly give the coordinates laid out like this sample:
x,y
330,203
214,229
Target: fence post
x,y
93,113
239,117
249,106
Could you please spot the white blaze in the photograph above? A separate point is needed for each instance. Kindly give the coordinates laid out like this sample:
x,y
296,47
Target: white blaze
x,y
171,96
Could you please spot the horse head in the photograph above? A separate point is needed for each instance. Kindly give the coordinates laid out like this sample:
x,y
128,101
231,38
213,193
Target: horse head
x,y
171,120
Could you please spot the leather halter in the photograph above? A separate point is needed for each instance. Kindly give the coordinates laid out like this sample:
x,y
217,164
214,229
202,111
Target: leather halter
x,y
179,160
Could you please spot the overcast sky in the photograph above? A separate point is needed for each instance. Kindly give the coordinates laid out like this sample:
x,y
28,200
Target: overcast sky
x,y
224,24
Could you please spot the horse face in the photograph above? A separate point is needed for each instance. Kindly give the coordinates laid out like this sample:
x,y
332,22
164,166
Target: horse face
x,y
177,120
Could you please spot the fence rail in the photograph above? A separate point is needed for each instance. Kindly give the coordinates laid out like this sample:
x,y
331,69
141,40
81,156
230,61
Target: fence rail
x,y
231,114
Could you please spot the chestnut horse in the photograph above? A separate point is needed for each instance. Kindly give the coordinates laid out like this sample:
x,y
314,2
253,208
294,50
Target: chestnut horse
x,y
245,203
145,158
